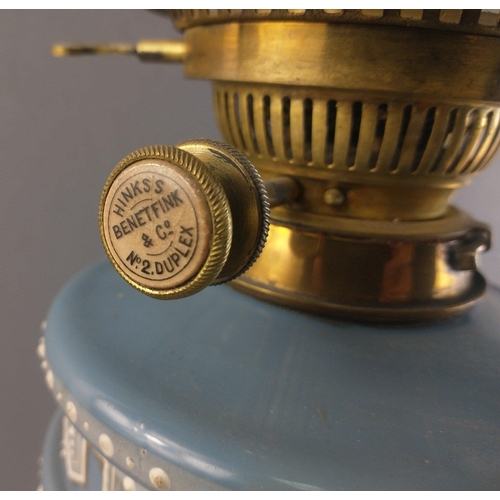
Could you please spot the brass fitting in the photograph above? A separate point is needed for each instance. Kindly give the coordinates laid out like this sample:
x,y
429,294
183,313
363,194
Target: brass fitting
x,y
363,123
174,220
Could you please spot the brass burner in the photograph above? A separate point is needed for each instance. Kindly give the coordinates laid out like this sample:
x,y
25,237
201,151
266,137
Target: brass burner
x,y
391,113
379,115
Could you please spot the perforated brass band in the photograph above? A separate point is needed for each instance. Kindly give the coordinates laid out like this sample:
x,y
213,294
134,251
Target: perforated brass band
x,y
393,158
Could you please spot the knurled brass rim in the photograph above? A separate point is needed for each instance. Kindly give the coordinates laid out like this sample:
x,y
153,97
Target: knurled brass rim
x,y
216,201
263,201
265,209
472,21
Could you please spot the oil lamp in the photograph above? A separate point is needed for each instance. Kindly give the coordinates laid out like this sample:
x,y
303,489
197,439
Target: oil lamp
x,y
346,353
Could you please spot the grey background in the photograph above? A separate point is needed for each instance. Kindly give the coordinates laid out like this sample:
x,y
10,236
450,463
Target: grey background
x,y
64,124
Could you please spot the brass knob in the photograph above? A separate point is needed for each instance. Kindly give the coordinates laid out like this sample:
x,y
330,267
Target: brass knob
x,y
174,220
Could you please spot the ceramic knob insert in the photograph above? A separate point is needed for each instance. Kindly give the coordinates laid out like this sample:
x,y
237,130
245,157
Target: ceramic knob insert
x,y
174,220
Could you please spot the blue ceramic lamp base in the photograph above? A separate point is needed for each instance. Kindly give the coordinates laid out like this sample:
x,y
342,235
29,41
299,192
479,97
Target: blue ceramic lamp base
x,y
221,390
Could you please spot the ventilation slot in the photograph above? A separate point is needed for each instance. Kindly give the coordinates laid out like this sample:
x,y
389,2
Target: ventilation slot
x,y
237,117
267,125
470,124
470,17
287,139
228,119
355,127
446,140
424,138
405,121
251,123
331,118
379,136
308,107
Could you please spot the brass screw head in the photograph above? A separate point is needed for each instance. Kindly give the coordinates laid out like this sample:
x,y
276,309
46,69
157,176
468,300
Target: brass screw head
x,y
334,197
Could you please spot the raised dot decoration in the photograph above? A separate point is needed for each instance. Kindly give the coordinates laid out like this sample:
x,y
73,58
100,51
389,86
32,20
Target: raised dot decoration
x,y
159,478
106,445
71,411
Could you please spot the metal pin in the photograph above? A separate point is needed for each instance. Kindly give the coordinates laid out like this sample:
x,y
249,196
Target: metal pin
x,y
146,50
282,190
